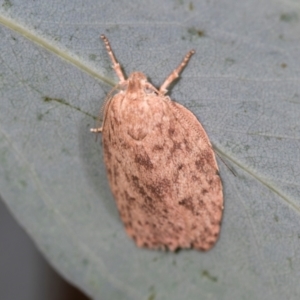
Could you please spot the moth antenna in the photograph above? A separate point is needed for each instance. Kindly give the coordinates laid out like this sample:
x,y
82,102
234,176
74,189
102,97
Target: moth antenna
x,y
116,65
175,74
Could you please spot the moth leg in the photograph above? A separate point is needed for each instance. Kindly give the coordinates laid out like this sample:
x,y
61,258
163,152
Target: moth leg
x,y
116,65
96,130
175,73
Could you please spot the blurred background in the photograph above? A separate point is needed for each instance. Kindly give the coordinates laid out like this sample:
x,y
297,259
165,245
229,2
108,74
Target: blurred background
x,y
24,273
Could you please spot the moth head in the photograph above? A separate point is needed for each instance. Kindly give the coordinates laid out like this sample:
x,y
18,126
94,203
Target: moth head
x,y
137,76
136,82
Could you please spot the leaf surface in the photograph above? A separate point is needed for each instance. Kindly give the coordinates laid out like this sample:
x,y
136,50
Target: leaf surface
x,y
242,84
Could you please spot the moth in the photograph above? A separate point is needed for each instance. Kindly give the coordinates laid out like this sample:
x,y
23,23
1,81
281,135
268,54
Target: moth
x,y
160,164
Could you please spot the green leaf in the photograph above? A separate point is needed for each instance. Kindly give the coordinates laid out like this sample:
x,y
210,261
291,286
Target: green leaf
x,y
242,84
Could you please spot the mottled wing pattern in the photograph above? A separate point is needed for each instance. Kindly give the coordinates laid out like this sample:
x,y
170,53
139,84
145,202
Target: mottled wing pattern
x,y
162,172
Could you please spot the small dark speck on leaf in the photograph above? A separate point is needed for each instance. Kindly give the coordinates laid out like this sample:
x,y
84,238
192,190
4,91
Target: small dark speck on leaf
x,y
289,17
152,296
229,61
196,32
113,28
65,151
92,57
290,262
206,274
6,4
62,101
23,183
152,293
283,65
39,116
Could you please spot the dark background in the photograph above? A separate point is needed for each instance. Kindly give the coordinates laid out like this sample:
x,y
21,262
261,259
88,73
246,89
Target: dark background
x,y
24,273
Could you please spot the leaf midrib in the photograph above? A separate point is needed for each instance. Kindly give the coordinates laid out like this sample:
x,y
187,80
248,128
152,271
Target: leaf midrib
x,y
53,48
